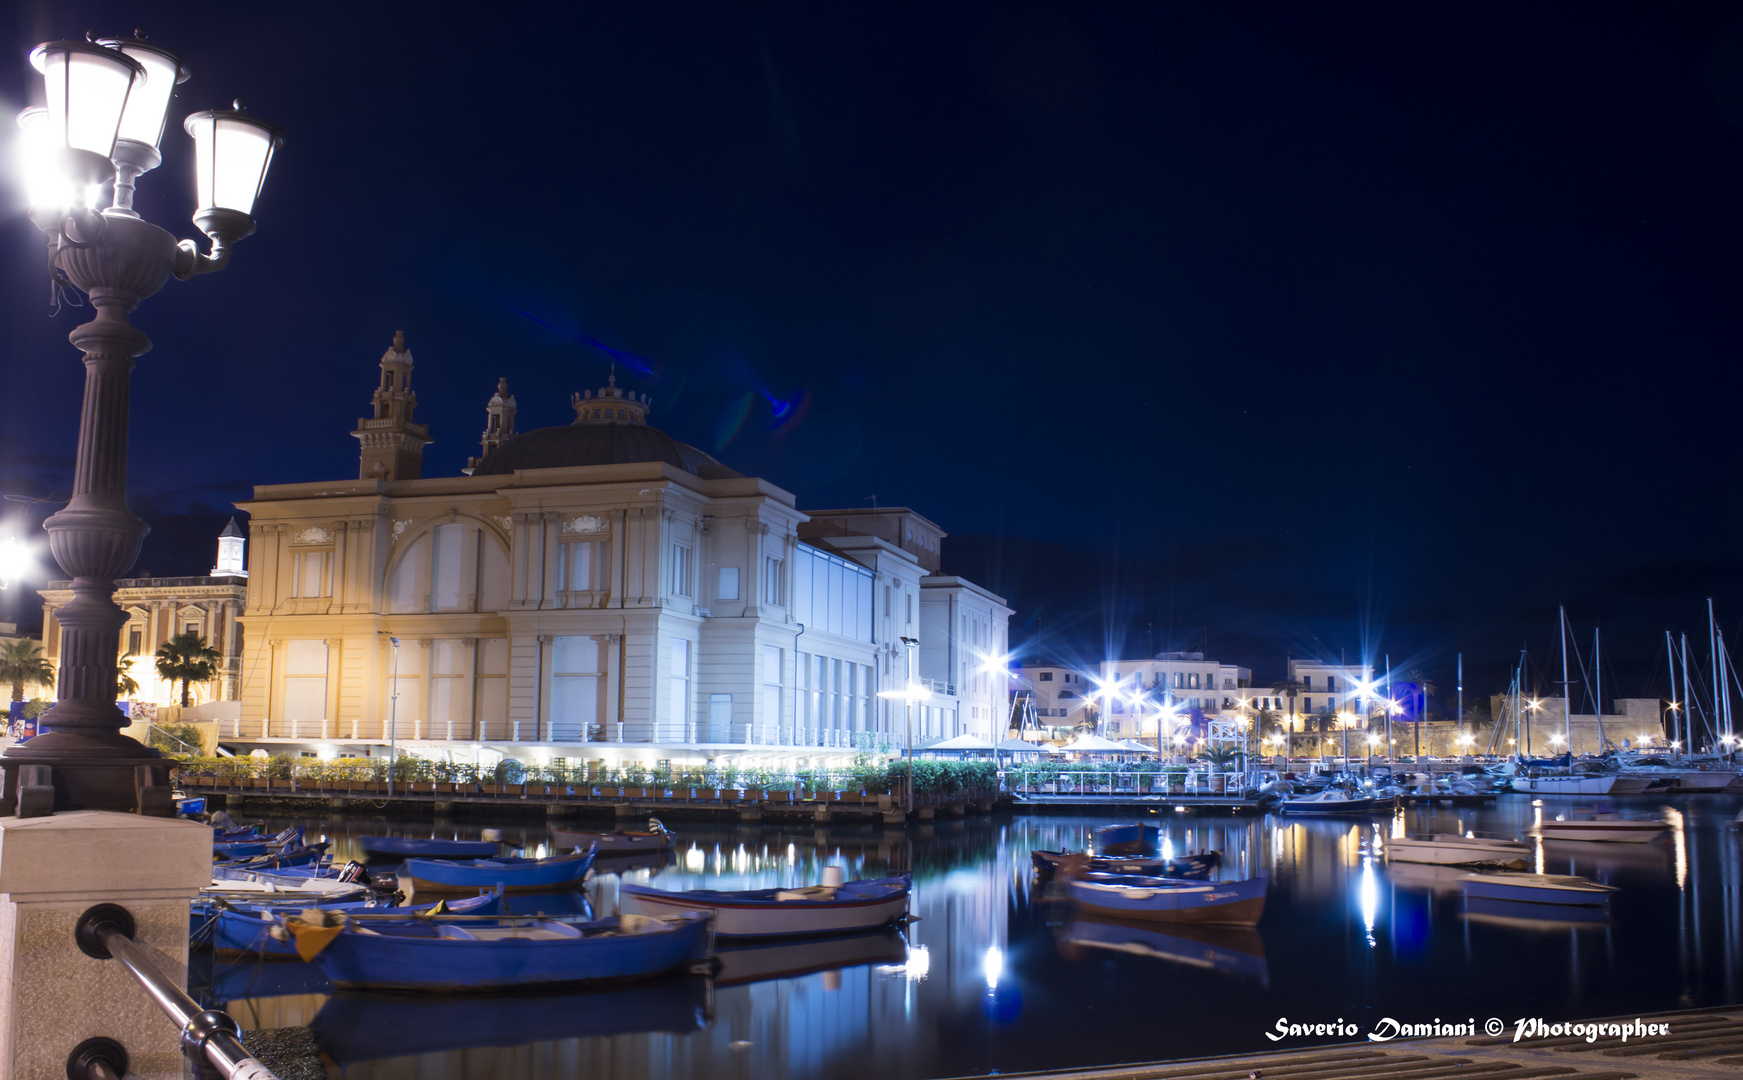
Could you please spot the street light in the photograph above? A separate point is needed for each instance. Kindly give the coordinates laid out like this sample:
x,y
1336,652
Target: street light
x,y
15,561
106,106
910,693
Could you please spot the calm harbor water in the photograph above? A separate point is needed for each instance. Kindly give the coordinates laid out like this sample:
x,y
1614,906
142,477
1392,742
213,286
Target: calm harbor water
x,y
996,977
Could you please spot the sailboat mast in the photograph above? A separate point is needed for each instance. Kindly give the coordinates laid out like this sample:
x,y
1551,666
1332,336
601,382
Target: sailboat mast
x,y
1567,716
1598,684
1670,662
1724,711
1688,703
1461,686
1713,651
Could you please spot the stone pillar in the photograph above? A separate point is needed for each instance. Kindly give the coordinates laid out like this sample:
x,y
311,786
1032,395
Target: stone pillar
x,y
51,870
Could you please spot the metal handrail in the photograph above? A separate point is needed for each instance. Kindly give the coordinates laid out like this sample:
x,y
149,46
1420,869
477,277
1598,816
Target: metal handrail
x,y
210,1039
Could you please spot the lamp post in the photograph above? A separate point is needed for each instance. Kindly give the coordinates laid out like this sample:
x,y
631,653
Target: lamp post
x,y
910,693
107,104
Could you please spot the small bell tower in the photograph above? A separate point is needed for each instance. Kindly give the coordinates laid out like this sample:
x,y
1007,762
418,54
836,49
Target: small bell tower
x,y
498,424
232,560
392,445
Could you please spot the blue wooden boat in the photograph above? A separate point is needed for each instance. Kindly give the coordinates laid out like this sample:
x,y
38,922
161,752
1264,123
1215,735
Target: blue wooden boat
x,y
1561,889
406,847
1128,838
307,855
1130,896
845,907
228,836
1194,867
357,1026
514,953
511,874
191,807
247,928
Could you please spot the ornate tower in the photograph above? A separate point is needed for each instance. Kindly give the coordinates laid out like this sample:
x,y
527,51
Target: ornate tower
x,y
610,403
498,424
231,559
393,446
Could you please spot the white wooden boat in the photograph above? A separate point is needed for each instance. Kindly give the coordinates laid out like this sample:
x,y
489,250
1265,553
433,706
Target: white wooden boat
x,y
1451,849
1602,828
1564,889
1569,783
834,907
1705,780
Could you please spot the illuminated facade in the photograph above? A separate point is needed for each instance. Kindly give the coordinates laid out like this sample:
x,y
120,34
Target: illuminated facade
x,y
159,608
597,589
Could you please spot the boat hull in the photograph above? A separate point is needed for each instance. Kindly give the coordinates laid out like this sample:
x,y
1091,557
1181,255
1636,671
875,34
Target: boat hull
x,y
531,875
1700,780
1459,852
405,847
1318,807
1197,867
1614,832
1532,889
1228,903
1567,785
444,965
613,843
754,918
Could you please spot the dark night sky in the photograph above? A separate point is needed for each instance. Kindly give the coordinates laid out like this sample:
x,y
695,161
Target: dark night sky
x,y
1270,327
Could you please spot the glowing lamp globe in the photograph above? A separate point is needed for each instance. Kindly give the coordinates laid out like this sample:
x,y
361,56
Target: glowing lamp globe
x,y
87,88
232,152
147,109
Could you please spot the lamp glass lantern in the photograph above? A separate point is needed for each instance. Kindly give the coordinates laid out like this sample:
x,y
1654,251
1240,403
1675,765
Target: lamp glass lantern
x,y
46,185
232,152
148,105
87,88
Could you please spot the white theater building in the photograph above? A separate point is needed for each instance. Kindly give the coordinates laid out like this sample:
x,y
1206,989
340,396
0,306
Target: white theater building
x,y
594,590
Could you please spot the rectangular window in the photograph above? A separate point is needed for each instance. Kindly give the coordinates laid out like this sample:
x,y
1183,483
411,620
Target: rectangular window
x,y
886,601
801,689
678,730
910,597
681,556
728,587
775,581
134,640
448,592
191,628
310,570
719,719
1307,682
577,688
491,689
1046,676
578,566
1331,684
773,678
305,684
450,692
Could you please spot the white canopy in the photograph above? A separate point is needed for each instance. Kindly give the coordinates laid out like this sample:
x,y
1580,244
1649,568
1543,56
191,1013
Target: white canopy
x,y
1026,746
961,742
1094,744
1137,747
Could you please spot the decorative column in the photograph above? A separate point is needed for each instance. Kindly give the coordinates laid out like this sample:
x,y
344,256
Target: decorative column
x,y
96,539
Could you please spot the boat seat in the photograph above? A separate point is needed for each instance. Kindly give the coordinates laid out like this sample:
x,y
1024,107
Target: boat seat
x,y
809,892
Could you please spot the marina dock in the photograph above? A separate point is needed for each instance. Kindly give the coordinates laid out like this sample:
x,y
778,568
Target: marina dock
x,y
1700,1045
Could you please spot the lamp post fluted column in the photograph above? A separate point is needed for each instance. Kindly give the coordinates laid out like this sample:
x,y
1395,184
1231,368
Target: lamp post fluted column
x,y
96,538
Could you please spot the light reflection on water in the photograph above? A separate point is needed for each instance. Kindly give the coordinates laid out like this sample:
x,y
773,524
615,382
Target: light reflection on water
x,y
994,976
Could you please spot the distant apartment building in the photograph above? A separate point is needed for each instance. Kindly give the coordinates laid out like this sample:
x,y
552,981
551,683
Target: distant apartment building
x,y
1059,693
1186,679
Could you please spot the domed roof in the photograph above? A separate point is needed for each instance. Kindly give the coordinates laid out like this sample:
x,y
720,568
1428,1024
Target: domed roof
x,y
598,442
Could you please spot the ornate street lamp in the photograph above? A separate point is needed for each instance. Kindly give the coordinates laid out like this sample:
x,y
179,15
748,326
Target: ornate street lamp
x,y
107,105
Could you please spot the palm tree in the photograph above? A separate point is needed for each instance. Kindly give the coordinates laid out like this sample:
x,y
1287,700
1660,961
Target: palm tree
x,y
22,663
1288,687
186,658
125,686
